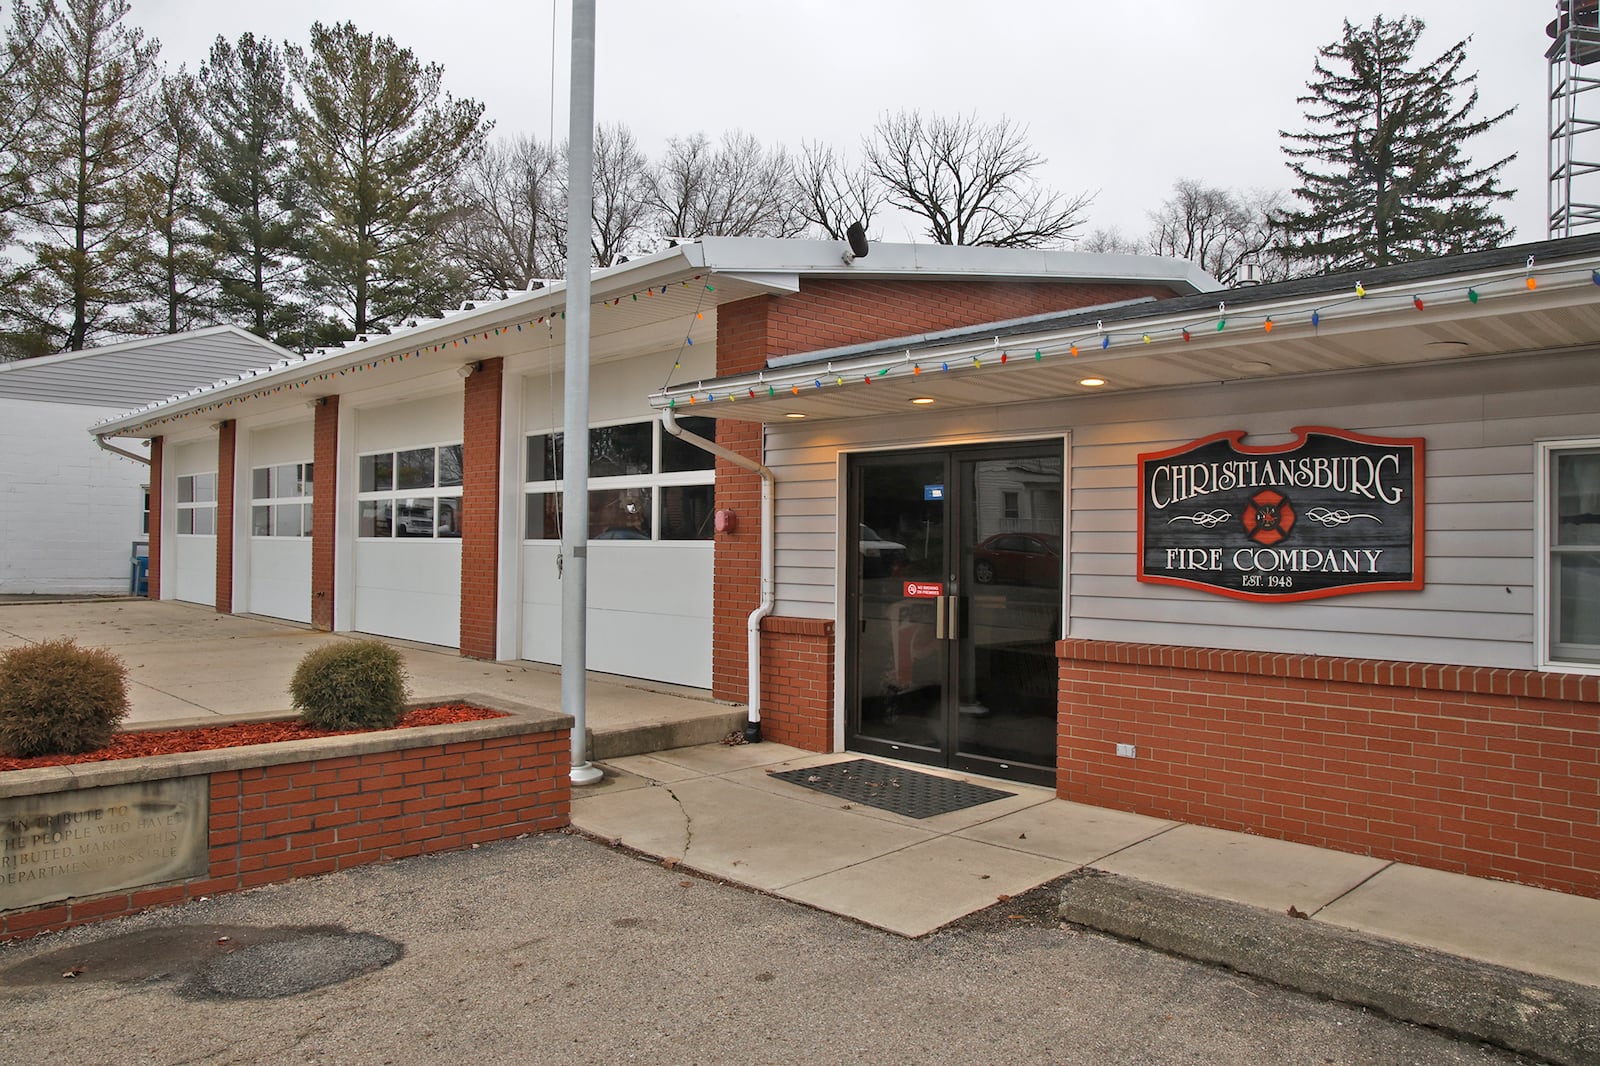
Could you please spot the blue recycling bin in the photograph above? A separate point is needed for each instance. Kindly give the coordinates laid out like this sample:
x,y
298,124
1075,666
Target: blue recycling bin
x,y
139,579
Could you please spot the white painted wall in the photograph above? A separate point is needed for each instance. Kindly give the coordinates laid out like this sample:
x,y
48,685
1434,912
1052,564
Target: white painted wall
x,y
649,602
404,588
69,511
192,556
1479,422
275,572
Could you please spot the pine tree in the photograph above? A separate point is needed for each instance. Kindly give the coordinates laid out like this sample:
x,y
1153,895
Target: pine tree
x,y
95,76
177,280
380,147
1384,177
249,210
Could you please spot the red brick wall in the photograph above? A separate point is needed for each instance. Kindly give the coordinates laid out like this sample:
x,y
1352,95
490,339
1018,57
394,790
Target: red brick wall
x,y
227,450
480,507
153,592
797,682
1494,773
324,510
825,314
275,823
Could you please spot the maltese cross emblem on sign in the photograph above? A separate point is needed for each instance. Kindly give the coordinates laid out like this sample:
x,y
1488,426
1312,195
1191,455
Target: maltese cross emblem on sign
x,y
1268,517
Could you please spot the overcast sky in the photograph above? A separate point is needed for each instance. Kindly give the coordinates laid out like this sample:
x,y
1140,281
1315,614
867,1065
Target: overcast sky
x,y
1121,99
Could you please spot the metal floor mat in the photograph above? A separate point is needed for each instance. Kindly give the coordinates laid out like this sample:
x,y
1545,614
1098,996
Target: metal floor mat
x,y
892,788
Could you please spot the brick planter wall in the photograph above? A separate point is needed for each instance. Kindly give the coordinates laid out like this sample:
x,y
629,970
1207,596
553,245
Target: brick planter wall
x,y
797,682
1494,773
295,809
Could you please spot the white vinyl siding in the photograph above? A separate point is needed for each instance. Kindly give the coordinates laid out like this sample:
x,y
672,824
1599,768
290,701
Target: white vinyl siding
x,y
1479,423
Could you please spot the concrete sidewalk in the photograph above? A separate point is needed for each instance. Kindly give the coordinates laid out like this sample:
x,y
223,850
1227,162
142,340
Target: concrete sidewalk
x,y
189,665
1514,965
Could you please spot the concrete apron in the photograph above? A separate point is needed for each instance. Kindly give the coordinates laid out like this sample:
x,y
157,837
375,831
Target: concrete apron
x,y
189,665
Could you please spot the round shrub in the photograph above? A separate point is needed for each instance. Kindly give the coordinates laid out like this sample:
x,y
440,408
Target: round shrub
x,y
57,698
351,684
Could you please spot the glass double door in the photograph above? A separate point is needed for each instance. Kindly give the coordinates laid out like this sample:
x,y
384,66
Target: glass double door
x,y
954,607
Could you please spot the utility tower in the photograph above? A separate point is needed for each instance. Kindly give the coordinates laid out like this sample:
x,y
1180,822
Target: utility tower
x,y
1574,195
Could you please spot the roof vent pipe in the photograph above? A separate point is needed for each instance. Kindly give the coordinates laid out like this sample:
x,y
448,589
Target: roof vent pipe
x,y
752,729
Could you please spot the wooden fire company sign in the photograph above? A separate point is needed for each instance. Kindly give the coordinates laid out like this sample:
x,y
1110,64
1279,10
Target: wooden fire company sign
x,y
1328,514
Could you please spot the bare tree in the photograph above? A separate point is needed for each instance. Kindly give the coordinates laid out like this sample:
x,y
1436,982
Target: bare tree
x,y
736,189
974,182
1109,240
621,194
507,231
830,193
1219,230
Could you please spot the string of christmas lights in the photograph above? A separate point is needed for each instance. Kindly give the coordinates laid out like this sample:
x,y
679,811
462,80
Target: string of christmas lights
x,y
465,340
770,384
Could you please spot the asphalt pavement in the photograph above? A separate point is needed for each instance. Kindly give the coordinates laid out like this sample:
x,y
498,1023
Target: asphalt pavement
x,y
559,949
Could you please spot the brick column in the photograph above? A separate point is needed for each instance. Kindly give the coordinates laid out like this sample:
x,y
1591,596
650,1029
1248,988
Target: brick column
x,y
227,447
324,510
153,590
480,510
742,335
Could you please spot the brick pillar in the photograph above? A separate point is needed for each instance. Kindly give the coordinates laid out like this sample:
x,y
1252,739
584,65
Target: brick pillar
x,y
227,448
153,591
324,510
480,510
742,329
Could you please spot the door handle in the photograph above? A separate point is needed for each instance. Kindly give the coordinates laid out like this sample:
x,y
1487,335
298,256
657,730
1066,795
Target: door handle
x,y
945,618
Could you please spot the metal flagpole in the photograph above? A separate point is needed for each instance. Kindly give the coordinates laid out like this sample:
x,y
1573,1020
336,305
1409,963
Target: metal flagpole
x,y
575,484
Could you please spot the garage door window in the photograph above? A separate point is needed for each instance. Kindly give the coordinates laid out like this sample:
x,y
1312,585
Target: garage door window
x,y
644,483
197,504
411,493
280,500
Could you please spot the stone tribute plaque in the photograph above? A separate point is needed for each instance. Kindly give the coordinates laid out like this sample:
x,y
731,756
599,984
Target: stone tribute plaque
x,y
97,840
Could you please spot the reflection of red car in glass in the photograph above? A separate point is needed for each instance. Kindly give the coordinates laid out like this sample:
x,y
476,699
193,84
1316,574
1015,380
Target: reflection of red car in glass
x,y
1018,559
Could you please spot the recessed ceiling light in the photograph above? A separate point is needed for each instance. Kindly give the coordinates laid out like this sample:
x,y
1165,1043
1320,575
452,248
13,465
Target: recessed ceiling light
x,y
794,414
1092,383
922,399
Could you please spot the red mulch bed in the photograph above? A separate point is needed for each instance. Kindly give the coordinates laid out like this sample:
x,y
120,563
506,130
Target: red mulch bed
x,y
239,734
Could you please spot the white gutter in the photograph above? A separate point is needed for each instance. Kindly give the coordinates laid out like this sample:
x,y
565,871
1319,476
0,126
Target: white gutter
x,y
752,730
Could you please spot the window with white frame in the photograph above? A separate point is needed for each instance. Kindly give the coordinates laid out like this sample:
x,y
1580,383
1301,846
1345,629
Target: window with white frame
x,y
197,504
280,500
1571,478
410,492
644,483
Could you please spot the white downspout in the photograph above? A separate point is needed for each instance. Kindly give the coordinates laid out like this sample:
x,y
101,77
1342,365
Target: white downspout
x,y
752,729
